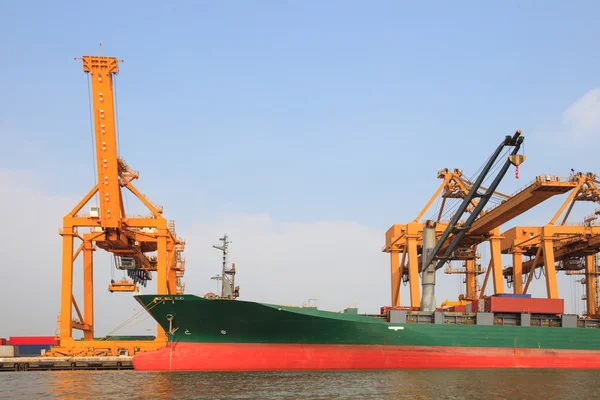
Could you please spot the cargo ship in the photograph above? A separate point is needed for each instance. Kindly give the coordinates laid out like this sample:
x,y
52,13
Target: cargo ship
x,y
234,335
221,333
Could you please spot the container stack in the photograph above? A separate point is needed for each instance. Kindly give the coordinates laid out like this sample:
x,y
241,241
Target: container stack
x,y
31,346
9,351
457,309
385,309
523,303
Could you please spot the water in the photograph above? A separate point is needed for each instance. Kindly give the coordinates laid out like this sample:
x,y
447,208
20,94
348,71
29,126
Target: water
x,y
422,385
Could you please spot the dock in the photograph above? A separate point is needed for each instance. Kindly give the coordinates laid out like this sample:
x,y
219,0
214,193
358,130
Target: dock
x,y
65,363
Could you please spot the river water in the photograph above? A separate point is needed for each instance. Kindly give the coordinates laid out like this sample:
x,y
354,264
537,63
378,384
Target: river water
x,y
399,384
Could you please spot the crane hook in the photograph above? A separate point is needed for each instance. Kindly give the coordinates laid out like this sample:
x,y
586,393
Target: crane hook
x,y
516,160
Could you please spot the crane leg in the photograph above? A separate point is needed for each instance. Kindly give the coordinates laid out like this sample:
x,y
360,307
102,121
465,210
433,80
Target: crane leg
x,y
413,273
550,268
396,276
470,279
161,272
590,284
172,280
517,272
497,263
88,290
66,304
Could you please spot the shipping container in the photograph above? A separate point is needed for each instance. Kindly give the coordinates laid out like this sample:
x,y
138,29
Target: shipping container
x,y
524,305
475,306
19,340
3,342
32,350
383,310
547,306
528,296
9,351
481,305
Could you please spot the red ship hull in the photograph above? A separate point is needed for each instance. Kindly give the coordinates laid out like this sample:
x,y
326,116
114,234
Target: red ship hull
x,y
277,357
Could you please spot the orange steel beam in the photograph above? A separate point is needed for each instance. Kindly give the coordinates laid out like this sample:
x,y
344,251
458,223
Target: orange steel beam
x,y
591,280
66,309
447,178
161,267
77,310
83,202
79,249
521,237
518,272
101,71
453,186
496,257
548,243
396,277
485,280
413,272
586,190
403,269
88,290
156,211
570,200
539,191
532,271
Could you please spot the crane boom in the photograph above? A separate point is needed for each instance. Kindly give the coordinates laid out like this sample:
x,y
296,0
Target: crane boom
x,y
101,71
452,228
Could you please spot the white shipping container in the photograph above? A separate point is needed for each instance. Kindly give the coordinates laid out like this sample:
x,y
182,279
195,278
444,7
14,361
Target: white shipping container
x,y
9,351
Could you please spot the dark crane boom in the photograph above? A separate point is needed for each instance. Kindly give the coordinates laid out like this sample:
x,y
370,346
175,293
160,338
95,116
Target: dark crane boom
x,y
459,231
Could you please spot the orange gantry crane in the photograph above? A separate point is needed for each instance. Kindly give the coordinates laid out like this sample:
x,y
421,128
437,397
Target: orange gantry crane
x,y
406,239
105,225
558,246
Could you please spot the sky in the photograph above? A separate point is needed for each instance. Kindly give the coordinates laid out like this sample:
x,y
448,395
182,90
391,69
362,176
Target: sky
x,y
303,130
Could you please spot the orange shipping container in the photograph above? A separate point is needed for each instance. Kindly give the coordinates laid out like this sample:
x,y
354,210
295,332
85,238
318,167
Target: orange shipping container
x,y
524,305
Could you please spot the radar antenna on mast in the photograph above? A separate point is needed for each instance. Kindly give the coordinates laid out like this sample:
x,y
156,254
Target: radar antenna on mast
x,y
228,288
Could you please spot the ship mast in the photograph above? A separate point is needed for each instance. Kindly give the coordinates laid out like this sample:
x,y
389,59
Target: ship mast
x,y
228,289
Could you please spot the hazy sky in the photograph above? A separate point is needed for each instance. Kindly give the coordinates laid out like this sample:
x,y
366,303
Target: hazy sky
x,y
303,129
